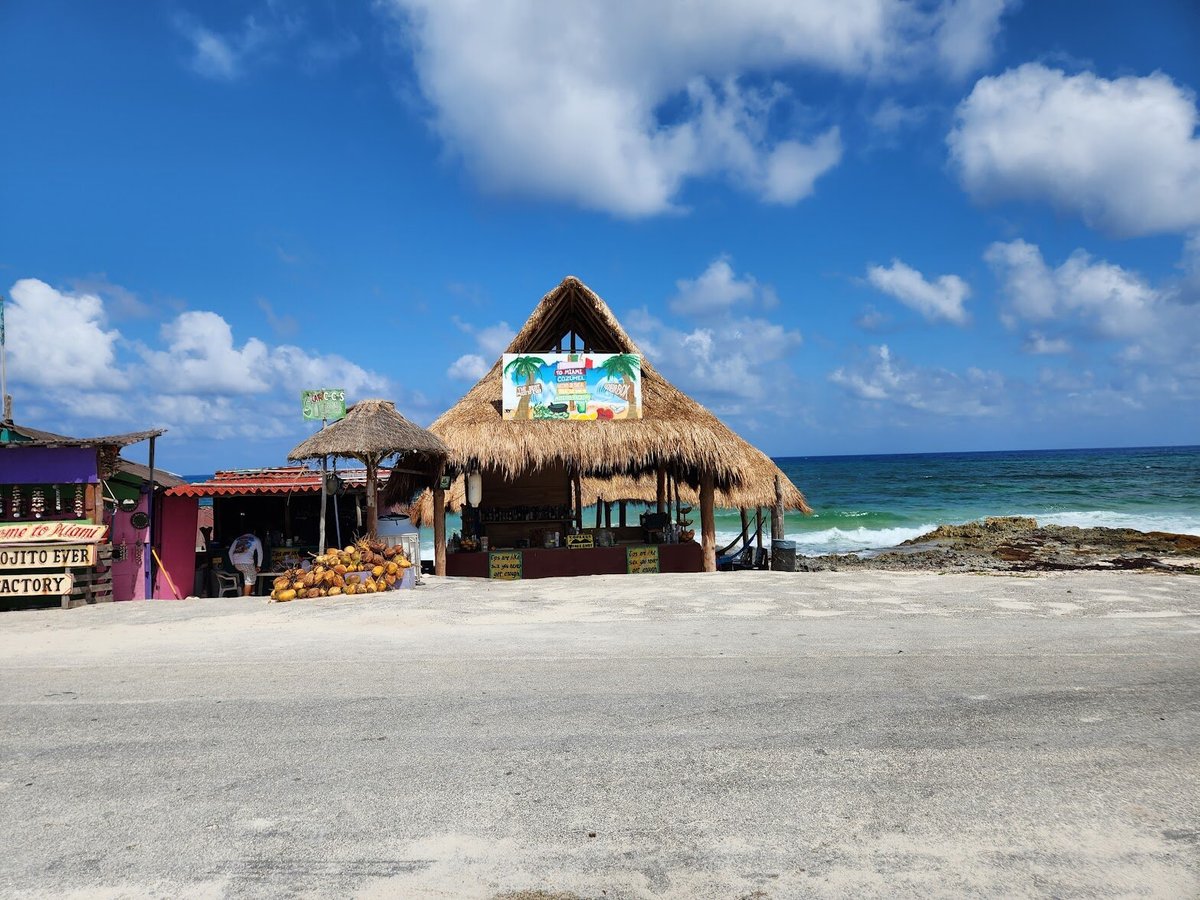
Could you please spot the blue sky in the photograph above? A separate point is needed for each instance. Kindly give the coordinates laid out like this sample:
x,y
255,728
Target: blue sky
x,y
846,227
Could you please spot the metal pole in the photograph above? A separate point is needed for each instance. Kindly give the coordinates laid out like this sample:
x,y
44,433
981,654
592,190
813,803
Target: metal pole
x,y
324,496
150,527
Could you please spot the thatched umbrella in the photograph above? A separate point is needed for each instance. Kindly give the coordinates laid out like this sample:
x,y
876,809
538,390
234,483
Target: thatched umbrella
x,y
371,432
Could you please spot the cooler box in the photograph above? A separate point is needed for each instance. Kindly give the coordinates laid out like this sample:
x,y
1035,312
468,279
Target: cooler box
x,y
399,531
783,556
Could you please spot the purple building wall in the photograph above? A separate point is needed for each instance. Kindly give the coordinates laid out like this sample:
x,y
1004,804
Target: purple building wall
x,y
48,465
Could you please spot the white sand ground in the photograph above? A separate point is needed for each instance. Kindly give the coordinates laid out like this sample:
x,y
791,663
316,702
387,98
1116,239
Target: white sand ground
x,y
742,735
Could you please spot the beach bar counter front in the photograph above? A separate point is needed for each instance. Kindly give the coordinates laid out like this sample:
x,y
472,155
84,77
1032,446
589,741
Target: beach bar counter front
x,y
572,402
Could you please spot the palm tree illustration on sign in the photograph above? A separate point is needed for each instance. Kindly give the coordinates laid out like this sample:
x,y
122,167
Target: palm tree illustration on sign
x,y
626,368
526,367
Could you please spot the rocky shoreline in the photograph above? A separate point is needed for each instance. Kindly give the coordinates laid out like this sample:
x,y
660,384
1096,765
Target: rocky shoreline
x,y
1015,544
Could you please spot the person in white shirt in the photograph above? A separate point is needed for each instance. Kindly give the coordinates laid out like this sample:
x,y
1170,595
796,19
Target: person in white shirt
x,y
246,554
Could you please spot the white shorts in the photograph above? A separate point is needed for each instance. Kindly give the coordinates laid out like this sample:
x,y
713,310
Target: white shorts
x,y
249,571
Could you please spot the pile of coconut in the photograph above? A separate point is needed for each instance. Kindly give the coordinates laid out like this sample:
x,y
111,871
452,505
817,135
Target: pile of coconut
x,y
366,567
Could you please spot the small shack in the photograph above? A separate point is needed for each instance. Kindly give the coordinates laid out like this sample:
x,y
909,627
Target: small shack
x,y
531,431
77,499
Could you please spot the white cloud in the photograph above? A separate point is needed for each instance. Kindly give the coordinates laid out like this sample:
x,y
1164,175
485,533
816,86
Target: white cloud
x,y
565,99
58,339
941,299
717,290
1114,302
891,117
197,379
1121,153
966,33
468,367
1040,345
730,355
879,378
492,340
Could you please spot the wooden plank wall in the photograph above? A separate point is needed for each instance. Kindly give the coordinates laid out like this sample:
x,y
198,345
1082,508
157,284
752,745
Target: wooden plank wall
x,y
92,585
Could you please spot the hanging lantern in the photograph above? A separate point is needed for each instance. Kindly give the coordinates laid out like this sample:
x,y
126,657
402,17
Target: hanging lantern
x,y
78,502
37,505
58,500
474,488
16,502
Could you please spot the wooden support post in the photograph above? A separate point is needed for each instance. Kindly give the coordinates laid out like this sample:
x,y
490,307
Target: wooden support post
x,y
599,510
578,500
745,523
372,498
439,522
661,494
708,525
777,511
607,515
621,513
759,514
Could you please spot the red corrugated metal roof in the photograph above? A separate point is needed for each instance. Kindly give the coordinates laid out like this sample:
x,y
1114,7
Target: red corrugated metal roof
x,y
281,480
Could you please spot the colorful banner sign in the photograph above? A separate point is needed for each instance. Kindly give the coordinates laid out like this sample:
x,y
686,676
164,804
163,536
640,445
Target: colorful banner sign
x,y
36,585
52,556
329,403
572,386
25,532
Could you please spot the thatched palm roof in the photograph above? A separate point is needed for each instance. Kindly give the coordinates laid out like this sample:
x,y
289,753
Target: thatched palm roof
x,y
675,432
371,428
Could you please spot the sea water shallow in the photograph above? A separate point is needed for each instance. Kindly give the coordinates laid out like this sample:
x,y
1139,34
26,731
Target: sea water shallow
x,y
864,503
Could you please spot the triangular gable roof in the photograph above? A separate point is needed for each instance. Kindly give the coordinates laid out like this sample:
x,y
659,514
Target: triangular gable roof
x,y
675,431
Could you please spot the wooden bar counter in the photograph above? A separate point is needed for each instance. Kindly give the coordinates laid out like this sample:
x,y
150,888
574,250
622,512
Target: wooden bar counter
x,y
544,563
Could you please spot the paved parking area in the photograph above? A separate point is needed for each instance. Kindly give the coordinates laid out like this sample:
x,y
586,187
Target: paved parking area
x,y
742,735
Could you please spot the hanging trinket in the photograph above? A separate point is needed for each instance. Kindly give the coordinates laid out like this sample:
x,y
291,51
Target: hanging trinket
x,y
16,502
37,505
78,502
58,500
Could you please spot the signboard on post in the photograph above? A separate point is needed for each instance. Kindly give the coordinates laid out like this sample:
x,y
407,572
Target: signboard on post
x,y
48,556
505,565
25,532
642,560
576,387
36,585
328,403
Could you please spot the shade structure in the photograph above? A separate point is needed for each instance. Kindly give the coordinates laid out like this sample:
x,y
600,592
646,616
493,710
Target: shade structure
x,y
372,431
675,436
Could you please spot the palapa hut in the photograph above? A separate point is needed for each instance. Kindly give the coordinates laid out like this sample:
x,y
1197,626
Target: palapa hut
x,y
371,432
675,439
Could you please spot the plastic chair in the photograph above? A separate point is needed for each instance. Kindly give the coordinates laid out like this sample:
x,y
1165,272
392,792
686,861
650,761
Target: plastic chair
x,y
228,581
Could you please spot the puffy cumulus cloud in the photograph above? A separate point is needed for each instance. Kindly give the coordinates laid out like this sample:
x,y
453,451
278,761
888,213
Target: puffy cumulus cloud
x,y
492,340
718,290
615,106
1121,153
1114,302
941,299
468,367
1156,326
722,356
196,380
59,339
880,378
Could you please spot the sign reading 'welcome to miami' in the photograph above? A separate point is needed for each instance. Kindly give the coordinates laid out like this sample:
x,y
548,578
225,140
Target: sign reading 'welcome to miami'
x,y
575,387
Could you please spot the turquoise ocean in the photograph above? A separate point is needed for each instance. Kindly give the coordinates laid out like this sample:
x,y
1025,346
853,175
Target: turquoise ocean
x,y
865,503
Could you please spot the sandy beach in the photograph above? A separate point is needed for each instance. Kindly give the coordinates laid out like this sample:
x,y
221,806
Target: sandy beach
x,y
745,735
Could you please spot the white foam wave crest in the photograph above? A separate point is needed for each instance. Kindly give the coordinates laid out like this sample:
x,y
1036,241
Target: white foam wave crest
x,y
1173,522
842,540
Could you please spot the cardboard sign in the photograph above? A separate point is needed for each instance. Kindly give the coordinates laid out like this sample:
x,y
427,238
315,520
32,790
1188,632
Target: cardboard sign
x,y
36,585
581,541
505,565
642,560
25,532
54,556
